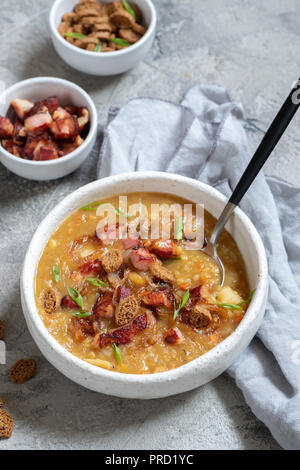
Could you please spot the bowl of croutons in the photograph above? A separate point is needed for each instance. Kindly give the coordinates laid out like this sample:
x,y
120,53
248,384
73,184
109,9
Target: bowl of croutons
x,y
102,37
48,127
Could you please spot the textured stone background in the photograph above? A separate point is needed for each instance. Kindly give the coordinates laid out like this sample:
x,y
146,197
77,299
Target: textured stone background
x,y
251,47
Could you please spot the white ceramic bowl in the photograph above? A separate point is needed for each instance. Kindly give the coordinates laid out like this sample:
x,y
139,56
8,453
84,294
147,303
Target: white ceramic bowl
x,y
102,63
40,88
188,376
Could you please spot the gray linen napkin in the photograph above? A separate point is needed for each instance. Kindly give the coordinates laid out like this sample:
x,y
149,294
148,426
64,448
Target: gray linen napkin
x,y
203,138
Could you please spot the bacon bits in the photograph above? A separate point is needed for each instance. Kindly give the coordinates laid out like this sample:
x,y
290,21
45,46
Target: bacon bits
x,y
124,334
141,259
174,336
159,298
6,128
165,249
43,130
104,307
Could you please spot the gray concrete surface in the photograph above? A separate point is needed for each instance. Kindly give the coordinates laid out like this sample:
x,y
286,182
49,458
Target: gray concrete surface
x,y
252,48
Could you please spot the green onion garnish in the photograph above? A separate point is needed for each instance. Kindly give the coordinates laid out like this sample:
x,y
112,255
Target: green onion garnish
x,y
55,273
250,297
239,306
75,35
120,42
179,228
231,306
75,295
120,212
183,301
129,9
81,314
98,48
96,282
91,207
117,353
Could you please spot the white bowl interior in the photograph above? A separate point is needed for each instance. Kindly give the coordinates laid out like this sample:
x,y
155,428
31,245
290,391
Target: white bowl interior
x,y
241,229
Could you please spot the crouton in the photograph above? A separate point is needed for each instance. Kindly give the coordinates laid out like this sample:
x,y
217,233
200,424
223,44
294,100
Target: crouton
x,y
6,425
129,35
126,310
122,19
51,301
112,260
22,370
162,273
199,316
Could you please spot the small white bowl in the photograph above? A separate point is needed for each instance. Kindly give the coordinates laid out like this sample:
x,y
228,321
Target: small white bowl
x,y
190,375
36,89
102,63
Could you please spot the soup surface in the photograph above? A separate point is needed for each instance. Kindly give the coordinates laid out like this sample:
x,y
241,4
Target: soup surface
x,y
132,304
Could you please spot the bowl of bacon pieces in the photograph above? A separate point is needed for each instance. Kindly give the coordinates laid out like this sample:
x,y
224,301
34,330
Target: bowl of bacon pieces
x,y
48,127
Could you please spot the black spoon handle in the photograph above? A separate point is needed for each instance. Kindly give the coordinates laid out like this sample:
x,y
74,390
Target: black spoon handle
x,y
268,143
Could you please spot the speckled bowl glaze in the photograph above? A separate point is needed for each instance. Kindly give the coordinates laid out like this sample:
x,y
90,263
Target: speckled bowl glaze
x,y
102,63
184,378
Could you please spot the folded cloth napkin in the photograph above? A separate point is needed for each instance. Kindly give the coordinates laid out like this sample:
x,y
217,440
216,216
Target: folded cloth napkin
x,y
204,138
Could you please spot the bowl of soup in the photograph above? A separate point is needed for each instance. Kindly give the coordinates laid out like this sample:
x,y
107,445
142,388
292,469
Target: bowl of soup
x,y
119,297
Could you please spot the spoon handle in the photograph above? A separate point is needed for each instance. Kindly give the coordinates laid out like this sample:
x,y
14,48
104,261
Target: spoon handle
x,y
268,143
265,148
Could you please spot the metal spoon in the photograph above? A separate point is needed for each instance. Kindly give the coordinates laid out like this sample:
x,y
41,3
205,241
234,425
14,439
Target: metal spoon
x,y
265,148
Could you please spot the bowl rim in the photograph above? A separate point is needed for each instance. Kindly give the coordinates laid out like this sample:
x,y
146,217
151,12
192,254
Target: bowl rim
x,y
121,52
196,364
74,153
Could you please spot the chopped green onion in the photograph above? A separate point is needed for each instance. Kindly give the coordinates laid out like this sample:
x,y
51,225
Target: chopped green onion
x,y
129,9
231,306
120,42
179,228
117,353
183,301
55,273
98,48
120,212
249,298
91,207
75,295
96,282
75,35
239,306
81,314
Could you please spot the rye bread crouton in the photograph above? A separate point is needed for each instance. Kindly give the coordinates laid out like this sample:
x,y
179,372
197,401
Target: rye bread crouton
x,y
162,273
112,260
2,329
22,370
129,35
126,310
6,425
51,300
122,19
199,317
